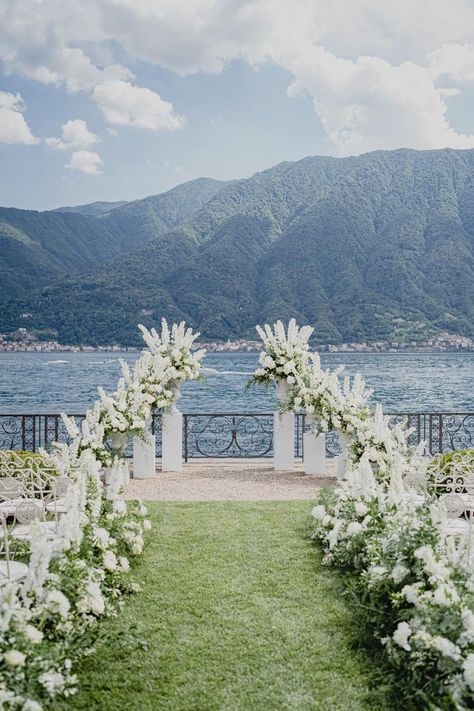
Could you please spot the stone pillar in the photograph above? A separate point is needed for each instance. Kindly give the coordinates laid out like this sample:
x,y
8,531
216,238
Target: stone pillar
x,y
144,455
341,460
283,433
172,442
314,450
172,438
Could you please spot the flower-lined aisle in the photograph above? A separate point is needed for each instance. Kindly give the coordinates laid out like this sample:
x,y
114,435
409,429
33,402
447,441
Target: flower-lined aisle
x,y
397,524
77,564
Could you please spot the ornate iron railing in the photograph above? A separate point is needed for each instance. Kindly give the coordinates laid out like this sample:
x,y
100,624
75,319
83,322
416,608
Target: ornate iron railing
x,y
242,435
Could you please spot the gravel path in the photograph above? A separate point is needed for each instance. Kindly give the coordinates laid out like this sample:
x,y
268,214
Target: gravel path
x,y
229,480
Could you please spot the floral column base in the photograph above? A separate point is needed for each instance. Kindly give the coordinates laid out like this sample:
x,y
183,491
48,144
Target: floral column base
x,y
314,450
341,460
144,457
172,456
283,434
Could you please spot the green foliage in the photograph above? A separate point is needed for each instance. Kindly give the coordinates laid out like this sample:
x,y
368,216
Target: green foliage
x,y
378,246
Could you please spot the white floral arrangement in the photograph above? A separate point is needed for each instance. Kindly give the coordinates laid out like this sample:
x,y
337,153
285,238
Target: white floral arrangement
x,y
331,405
176,348
151,385
74,579
48,620
414,577
285,353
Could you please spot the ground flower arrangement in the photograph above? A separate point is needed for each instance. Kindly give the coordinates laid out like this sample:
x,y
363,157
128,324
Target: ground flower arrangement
x,y
408,556
50,618
405,545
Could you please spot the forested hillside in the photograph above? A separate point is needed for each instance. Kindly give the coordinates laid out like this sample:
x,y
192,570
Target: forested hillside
x,y
363,248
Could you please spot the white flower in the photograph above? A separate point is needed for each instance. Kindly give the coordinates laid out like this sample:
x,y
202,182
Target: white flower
x,y
120,506
468,668
360,508
143,510
354,528
110,560
447,648
269,363
52,681
57,602
319,512
401,635
289,367
124,564
444,595
146,524
410,593
101,537
468,621
33,634
378,572
14,658
399,572
93,600
31,705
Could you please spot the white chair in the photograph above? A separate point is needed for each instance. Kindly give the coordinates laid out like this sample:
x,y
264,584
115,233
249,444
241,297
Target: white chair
x,y
26,512
57,503
12,493
10,570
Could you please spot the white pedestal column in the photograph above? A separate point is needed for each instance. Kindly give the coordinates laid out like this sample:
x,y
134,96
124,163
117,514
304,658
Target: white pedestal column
x,y
341,460
144,457
314,450
283,434
172,442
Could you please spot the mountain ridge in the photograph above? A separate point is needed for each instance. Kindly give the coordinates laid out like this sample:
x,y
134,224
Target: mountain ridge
x,y
363,247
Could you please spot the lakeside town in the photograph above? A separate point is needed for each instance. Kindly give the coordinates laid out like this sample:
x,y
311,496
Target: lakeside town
x,y
23,340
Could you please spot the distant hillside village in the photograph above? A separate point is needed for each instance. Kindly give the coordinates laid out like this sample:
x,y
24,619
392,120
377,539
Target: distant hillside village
x,y
23,340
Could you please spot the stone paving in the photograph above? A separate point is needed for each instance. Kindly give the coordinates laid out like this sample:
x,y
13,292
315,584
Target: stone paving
x,y
229,480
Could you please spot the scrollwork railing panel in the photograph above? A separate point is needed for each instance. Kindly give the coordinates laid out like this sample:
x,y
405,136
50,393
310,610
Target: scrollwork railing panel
x,y
241,434
232,435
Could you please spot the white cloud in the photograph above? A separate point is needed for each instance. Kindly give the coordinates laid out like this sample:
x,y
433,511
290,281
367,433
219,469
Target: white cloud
x,y
75,134
124,104
373,69
371,104
86,161
13,127
455,61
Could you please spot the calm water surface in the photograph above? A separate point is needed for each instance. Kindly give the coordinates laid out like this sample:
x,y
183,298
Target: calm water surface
x,y
429,382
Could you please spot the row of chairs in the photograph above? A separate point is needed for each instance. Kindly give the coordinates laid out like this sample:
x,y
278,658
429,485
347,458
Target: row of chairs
x,y
29,493
453,485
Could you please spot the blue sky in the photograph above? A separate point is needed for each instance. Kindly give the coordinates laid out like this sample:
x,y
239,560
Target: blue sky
x,y
118,99
237,123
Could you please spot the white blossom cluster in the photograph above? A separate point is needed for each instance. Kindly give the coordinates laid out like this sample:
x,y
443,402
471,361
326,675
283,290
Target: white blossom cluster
x,y
331,404
151,385
79,575
285,353
412,573
175,347
73,580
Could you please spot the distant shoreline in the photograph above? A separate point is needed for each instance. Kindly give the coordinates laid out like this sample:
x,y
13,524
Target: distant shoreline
x,y
320,349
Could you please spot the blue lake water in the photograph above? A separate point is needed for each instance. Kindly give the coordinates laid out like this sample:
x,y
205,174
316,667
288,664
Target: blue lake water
x,y
402,382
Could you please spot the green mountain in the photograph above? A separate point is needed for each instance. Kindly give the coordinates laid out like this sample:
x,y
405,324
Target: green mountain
x,y
38,248
364,248
92,208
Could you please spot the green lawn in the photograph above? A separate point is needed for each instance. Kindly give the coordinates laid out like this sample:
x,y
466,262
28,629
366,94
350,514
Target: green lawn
x,y
235,613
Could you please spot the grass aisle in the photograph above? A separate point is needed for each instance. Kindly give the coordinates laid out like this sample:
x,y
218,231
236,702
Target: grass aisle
x,y
237,614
